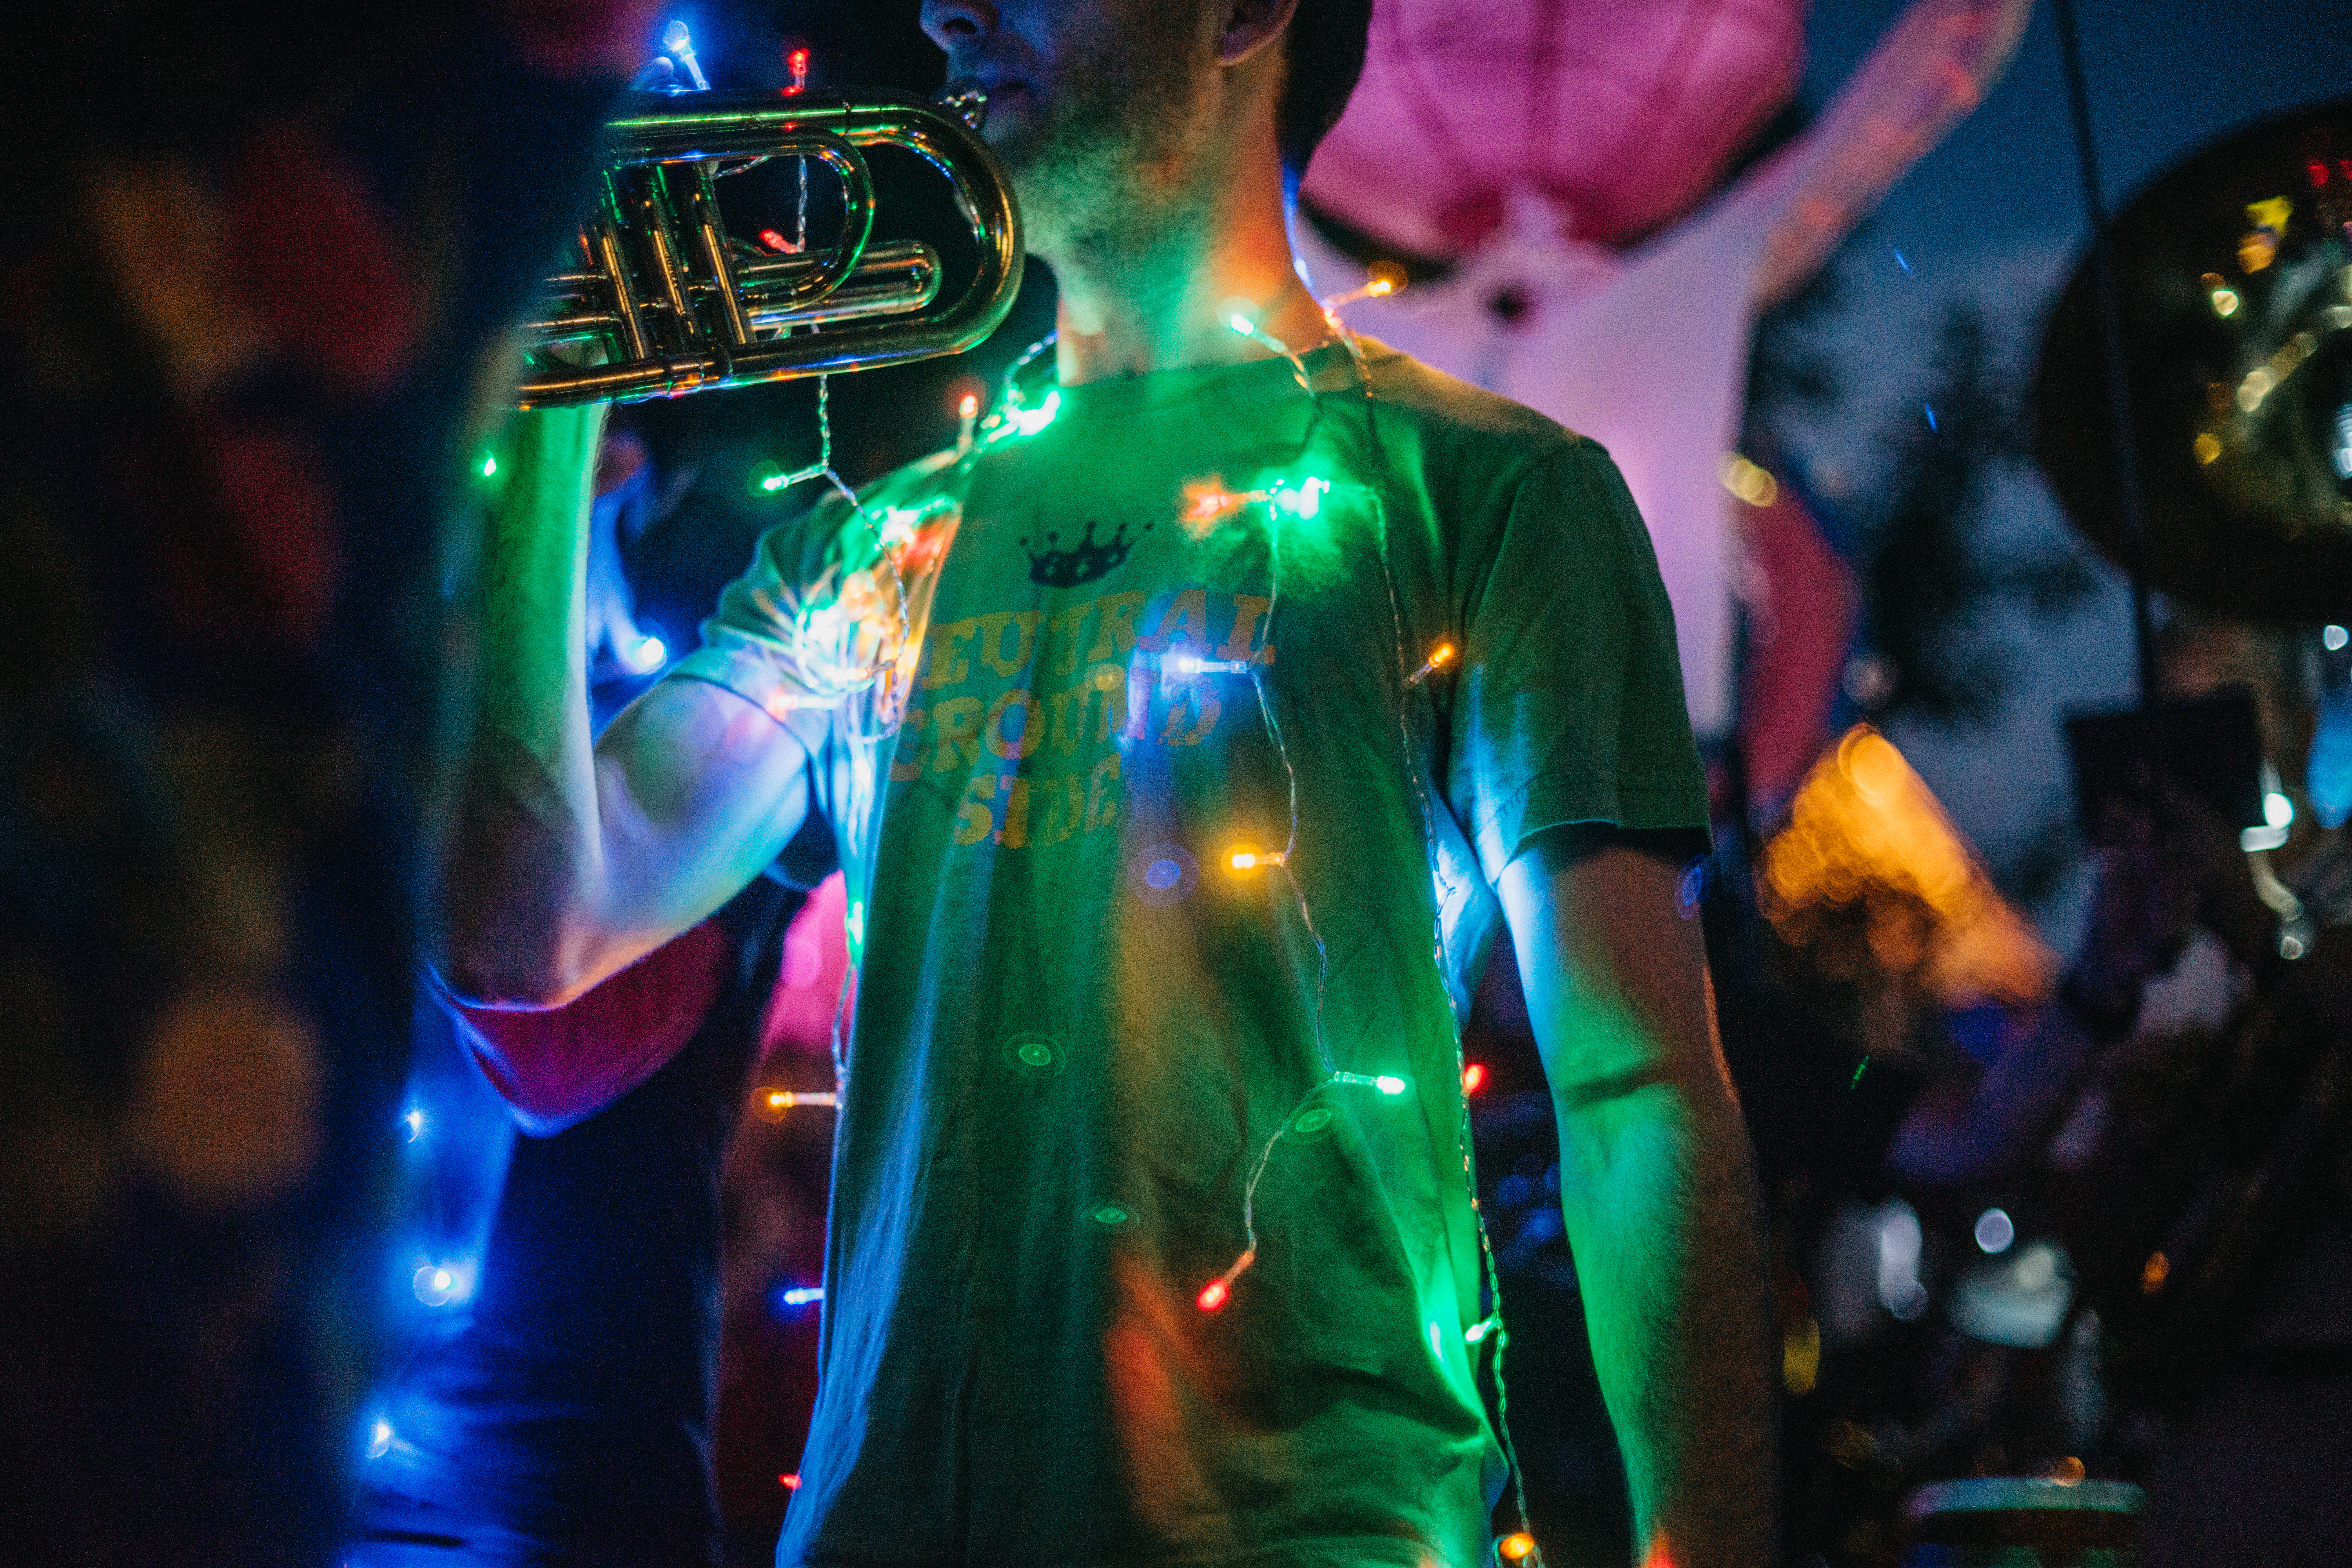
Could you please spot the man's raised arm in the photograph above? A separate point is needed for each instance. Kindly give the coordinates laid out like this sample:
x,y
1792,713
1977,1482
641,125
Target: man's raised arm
x,y
568,860
1657,1188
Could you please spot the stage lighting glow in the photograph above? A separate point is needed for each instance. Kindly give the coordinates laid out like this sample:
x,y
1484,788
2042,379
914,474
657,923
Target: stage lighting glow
x,y
648,655
415,1120
2277,810
1899,1240
2333,638
1477,1332
379,1440
1751,482
789,1481
1865,832
489,465
1251,860
1388,1083
1995,1231
1214,1296
1474,1078
1517,1546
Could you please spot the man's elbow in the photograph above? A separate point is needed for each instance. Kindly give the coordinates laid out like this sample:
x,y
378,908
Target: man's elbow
x,y
483,966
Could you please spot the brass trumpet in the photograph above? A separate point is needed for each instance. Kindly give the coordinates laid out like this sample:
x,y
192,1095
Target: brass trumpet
x,y
680,305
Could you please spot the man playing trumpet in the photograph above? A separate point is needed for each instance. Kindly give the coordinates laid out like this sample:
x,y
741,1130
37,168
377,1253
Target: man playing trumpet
x,y
1183,740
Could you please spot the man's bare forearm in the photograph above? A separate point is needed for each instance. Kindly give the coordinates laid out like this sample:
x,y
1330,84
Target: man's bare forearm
x,y
1659,1194
1661,1205
569,858
524,842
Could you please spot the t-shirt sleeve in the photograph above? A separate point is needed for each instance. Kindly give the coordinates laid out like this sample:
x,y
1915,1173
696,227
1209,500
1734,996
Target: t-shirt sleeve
x,y
1570,705
792,632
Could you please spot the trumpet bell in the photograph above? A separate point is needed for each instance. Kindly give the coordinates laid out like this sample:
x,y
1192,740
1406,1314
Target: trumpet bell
x,y
677,303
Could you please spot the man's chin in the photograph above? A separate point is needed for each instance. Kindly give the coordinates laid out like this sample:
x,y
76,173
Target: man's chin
x,y
1011,117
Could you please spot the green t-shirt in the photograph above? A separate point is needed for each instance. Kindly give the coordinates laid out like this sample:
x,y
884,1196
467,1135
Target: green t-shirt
x,y
1184,603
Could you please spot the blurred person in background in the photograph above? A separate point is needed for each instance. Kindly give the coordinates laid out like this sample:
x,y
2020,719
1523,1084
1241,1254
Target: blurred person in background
x,y
2178,1120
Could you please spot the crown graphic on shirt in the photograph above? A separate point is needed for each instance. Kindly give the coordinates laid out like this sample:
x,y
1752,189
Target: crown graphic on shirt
x,y
1057,568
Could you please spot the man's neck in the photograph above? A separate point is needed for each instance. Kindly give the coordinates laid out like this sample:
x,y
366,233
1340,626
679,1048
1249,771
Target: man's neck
x,y
1129,309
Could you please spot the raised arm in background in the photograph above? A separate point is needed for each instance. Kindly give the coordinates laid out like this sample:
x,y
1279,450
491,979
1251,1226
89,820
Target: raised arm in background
x,y
1657,1187
567,859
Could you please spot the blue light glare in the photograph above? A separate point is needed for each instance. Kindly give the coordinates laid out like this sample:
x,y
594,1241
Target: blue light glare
x,y
446,1284
1902,261
415,1121
784,1301
1163,874
1931,415
379,1440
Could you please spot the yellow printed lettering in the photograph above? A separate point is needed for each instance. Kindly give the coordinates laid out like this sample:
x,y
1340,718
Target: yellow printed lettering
x,y
1068,708
1249,613
1065,810
958,722
1102,794
1188,612
976,817
991,640
949,662
1032,734
1063,634
1114,632
1205,708
1015,833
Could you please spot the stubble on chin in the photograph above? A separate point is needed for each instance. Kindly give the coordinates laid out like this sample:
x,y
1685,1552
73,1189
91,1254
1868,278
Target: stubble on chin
x,y
1115,147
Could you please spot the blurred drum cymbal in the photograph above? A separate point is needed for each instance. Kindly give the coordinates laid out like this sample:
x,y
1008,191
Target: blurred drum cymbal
x,y
2233,275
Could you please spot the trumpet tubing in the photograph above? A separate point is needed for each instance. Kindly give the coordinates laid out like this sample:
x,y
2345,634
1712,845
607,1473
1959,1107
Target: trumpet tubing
x,y
679,304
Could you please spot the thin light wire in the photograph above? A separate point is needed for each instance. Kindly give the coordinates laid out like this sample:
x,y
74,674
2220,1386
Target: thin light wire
x,y
1491,1271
